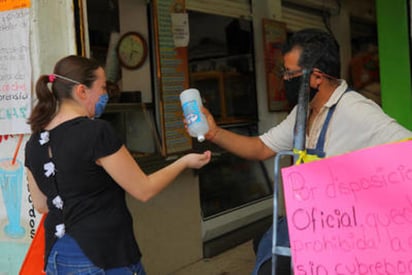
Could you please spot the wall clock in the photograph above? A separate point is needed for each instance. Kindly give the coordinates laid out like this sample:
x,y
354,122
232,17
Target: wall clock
x,y
131,50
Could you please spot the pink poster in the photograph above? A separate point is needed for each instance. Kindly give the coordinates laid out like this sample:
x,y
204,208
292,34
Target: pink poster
x,y
352,214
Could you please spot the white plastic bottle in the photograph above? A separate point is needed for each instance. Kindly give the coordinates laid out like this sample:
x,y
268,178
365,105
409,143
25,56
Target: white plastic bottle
x,y
196,121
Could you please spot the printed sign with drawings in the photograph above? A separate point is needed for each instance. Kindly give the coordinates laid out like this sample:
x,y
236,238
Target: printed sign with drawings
x,y
17,215
15,69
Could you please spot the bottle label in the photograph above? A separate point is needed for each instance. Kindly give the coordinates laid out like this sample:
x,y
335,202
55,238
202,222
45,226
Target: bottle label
x,y
191,112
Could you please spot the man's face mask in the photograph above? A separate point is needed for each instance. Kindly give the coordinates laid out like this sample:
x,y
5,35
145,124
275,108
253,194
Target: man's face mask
x,y
292,87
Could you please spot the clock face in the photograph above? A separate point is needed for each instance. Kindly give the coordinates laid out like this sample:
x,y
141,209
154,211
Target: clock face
x,y
131,50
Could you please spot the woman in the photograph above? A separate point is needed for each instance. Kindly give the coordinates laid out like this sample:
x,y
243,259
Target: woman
x,y
78,171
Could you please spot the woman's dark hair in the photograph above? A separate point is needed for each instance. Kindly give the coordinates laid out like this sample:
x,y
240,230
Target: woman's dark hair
x,y
77,68
319,50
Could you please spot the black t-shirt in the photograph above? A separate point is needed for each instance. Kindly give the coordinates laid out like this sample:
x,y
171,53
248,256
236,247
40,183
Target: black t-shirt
x,y
95,213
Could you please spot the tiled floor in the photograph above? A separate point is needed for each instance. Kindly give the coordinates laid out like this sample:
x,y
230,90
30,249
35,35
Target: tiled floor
x,y
239,260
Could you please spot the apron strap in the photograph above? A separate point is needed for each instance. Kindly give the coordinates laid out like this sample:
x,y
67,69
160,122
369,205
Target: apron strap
x,y
320,145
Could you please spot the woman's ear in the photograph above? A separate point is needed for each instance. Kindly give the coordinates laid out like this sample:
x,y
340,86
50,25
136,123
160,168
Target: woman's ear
x,y
80,91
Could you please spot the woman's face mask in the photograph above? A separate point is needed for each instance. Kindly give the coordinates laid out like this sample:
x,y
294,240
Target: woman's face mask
x,y
100,105
98,97
292,87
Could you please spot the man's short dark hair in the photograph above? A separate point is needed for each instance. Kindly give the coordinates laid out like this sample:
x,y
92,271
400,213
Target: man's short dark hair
x,y
319,50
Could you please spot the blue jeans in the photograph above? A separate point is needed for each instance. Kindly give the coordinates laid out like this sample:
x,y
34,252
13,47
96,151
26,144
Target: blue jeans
x,y
264,252
66,257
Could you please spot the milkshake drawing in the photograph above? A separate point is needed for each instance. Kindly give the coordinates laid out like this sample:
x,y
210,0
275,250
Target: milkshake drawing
x,y
11,182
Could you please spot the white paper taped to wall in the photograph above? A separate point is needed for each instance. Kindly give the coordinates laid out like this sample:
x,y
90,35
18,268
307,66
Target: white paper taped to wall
x,y
180,29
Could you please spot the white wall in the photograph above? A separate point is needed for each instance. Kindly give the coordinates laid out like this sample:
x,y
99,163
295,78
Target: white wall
x,y
52,34
168,227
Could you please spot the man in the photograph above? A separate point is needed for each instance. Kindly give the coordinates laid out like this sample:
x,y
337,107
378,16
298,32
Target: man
x,y
339,119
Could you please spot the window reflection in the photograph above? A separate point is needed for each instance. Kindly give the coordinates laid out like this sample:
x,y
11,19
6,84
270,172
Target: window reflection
x,y
221,65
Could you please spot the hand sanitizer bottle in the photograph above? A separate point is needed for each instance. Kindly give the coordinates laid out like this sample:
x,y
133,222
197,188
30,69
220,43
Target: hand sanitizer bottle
x,y
196,121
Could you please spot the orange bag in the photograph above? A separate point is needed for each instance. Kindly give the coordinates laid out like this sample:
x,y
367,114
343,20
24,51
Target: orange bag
x,y
33,263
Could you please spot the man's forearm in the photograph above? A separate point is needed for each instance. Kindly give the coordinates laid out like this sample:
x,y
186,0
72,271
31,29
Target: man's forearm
x,y
243,146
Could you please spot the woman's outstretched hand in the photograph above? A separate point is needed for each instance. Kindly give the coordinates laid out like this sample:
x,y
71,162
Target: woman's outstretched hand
x,y
196,161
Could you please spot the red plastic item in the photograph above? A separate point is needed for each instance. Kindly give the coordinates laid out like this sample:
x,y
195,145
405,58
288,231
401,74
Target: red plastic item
x,y
33,263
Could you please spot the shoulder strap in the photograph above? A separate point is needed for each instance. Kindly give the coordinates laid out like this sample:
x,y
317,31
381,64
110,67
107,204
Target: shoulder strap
x,y
320,145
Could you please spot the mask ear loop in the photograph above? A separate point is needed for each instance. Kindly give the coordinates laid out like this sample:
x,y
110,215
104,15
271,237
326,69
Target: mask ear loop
x,y
52,78
324,74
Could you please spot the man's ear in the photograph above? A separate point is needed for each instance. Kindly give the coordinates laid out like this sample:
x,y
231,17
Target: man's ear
x,y
317,73
319,77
